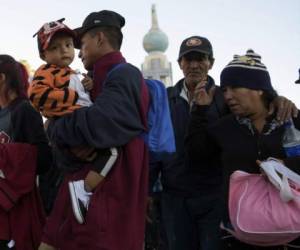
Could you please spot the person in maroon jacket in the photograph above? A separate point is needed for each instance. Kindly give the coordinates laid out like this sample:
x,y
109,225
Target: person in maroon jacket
x,y
24,153
116,215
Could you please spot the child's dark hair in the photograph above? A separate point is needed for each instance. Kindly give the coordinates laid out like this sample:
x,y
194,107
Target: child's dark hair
x,y
16,76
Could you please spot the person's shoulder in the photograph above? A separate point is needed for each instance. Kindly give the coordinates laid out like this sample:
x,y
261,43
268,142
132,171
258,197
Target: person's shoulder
x,y
22,105
178,84
130,66
225,121
125,69
175,90
46,66
224,125
21,109
219,94
124,74
40,68
46,69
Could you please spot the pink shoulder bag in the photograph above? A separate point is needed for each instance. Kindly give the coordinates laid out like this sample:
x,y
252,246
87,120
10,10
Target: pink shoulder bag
x,y
264,209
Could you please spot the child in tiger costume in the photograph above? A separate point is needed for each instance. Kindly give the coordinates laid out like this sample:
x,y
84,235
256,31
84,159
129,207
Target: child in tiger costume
x,y
56,90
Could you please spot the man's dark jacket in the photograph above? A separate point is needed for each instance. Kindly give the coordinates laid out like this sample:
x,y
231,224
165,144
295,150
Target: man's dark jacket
x,y
180,175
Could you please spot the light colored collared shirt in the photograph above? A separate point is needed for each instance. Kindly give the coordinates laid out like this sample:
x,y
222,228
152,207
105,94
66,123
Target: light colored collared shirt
x,y
186,95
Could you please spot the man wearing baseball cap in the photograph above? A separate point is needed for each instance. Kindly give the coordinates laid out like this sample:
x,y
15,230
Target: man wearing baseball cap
x,y
116,213
191,196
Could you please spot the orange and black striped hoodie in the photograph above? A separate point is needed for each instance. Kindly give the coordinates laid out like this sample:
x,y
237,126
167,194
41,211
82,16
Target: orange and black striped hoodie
x,y
49,91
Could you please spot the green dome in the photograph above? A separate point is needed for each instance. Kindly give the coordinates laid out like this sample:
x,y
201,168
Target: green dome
x,y
155,40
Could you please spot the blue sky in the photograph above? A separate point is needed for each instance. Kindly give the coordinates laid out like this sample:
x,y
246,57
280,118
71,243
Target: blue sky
x,y
271,28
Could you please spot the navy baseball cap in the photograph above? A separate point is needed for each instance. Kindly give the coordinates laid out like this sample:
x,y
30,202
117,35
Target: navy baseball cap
x,y
98,19
195,44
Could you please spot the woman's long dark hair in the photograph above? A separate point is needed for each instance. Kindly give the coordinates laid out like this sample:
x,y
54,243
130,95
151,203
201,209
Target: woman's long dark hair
x,y
268,97
16,76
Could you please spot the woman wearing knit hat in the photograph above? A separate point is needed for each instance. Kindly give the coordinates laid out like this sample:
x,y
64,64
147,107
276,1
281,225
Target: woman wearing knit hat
x,y
247,136
246,84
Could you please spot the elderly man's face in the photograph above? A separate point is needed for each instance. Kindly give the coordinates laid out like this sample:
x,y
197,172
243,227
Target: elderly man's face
x,y
195,67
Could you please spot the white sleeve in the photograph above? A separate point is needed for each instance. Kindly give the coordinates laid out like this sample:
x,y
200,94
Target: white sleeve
x,y
83,96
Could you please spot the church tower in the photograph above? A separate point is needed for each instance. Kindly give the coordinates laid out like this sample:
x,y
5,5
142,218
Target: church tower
x,y
156,64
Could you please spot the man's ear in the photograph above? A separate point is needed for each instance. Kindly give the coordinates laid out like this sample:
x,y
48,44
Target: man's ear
x,y
179,63
100,37
212,61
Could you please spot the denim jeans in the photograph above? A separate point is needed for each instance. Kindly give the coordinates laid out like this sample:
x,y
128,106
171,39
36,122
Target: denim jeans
x,y
192,223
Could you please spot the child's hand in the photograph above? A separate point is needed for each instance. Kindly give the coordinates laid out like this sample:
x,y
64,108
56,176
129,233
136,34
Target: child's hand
x,y
87,82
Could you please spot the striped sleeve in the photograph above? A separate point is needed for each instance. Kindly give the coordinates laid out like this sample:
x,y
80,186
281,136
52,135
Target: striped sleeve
x,y
49,92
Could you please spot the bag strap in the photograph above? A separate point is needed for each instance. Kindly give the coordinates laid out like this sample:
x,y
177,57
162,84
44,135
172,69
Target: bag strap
x,y
279,175
280,182
285,171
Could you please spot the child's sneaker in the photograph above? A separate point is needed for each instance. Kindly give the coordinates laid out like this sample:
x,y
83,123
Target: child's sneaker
x,y
80,200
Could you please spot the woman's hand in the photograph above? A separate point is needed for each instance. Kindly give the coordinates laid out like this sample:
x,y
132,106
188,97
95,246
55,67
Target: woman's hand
x,y
258,162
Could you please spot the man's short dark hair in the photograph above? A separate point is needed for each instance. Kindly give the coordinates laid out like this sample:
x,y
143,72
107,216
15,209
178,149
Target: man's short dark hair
x,y
113,34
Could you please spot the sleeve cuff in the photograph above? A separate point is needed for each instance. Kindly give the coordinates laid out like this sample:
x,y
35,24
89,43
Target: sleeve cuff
x,y
199,109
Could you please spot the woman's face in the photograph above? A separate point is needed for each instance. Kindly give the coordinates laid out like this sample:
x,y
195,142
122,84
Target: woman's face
x,y
242,101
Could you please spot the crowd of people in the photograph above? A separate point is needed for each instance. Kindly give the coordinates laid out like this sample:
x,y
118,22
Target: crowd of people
x,y
92,144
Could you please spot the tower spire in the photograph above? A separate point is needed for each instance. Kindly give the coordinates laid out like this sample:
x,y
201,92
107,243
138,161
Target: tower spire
x,y
155,39
155,42
154,18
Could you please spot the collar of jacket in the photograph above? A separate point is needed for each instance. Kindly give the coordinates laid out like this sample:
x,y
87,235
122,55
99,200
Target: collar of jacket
x,y
101,69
